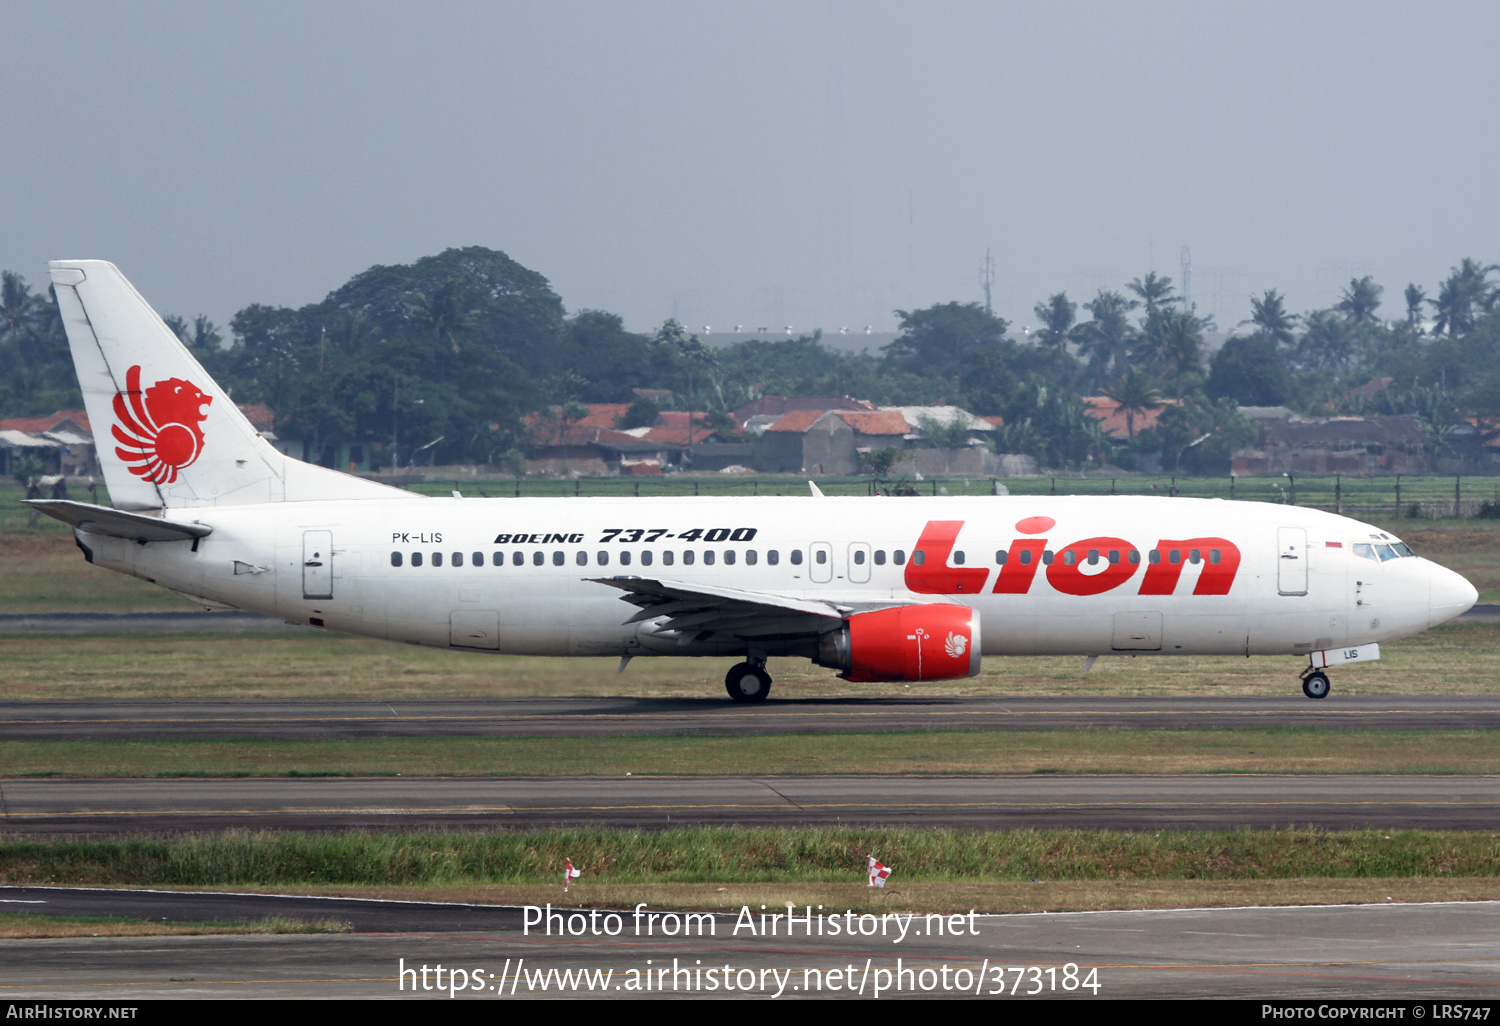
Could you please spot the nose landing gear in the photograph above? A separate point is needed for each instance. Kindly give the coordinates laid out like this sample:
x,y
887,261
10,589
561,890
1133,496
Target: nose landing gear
x,y
748,682
1315,683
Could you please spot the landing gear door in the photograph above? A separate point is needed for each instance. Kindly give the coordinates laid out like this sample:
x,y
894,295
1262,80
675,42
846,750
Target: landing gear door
x,y
317,564
1291,560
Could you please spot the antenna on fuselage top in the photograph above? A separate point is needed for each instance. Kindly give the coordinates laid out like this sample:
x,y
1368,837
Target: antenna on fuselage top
x,y
817,492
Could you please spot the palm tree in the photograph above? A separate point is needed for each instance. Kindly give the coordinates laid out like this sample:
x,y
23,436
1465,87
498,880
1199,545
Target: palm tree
x,y
1057,315
1270,318
1135,394
1328,342
442,312
1182,351
1361,300
1155,292
1416,298
1108,337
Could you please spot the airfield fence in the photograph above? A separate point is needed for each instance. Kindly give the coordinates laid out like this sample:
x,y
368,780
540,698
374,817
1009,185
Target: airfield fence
x,y
1407,497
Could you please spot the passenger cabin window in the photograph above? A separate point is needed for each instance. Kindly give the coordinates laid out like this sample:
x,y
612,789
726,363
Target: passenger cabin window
x,y
859,557
1195,557
729,557
1135,557
437,559
688,556
667,557
1155,556
1025,557
559,558
458,559
478,558
603,557
1174,557
646,557
821,556
518,558
416,559
918,557
625,557
396,559
899,557
751,558
1047,556
498,558
1213,556
538,558
958,557
796,557
708,557
582,559
880,557
1001,556
1069,557
773,557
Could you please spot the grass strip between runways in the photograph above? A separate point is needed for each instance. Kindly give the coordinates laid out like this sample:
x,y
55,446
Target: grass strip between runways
x,y
730,856
1272,750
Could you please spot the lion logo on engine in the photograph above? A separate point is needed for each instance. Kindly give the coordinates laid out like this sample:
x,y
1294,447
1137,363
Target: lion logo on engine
x,y
158,429
956,645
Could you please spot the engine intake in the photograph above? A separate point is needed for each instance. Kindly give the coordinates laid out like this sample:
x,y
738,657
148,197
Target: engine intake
x,y
927,642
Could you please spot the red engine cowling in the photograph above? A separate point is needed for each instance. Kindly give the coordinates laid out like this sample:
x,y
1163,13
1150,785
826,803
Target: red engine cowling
x,y
928,642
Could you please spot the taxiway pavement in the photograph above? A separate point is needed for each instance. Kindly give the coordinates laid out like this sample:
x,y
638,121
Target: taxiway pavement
x,y
554,717
132,805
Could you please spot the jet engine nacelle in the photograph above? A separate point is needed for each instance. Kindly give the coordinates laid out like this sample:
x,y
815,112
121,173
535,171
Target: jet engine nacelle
x,y
927,642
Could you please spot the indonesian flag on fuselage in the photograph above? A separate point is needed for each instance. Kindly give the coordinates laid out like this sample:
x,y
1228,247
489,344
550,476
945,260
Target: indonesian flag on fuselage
x,y
878,873
570,874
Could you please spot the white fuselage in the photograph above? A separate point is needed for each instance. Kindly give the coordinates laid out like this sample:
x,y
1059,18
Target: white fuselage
x,y
1299,584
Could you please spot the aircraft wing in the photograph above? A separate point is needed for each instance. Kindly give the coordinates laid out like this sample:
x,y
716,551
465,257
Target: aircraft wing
x,y
696,608
117,522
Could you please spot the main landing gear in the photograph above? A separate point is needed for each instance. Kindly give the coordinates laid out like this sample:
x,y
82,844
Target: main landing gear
x,y
748,682
1315,683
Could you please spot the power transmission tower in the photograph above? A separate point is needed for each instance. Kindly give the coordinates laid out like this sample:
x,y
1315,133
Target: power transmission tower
x,y
1187,278
987,281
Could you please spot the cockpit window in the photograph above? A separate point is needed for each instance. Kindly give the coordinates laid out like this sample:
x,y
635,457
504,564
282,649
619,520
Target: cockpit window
x,y
1365,551
1386,552
1402,549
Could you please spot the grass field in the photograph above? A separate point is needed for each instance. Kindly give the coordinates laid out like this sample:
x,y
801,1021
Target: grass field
x,y
722,869
1455,659
1277,750
22,927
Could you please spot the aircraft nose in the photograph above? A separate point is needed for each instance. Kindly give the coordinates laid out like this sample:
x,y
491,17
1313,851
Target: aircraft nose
x,y
1450,595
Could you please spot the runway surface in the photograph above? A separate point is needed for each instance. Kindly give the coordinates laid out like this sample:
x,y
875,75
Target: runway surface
x,y
1372,952
544,717
115,805
172,622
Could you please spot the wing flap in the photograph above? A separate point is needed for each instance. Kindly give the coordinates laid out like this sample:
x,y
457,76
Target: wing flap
x,y
706,607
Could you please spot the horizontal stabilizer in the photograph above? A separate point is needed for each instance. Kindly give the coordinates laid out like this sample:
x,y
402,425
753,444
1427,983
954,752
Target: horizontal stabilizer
x,y
117,522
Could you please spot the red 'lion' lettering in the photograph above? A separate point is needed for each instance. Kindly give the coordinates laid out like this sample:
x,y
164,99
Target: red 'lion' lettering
x,y
1018,570
1213,578
928,572
159,431
1066,572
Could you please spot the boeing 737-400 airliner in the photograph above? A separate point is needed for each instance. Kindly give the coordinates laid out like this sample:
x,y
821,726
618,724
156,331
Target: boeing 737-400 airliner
x,y
881,589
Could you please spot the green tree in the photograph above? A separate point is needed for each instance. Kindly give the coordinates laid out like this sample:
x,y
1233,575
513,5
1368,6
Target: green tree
x,y
1360,300
1251,371
941,341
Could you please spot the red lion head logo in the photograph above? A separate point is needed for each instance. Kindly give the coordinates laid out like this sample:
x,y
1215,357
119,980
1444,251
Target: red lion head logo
x,y
158,432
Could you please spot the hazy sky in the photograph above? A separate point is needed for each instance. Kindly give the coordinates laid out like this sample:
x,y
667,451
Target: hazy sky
x,y
817,164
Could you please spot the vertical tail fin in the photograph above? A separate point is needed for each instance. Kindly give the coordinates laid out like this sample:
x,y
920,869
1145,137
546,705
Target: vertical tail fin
x,y
165,432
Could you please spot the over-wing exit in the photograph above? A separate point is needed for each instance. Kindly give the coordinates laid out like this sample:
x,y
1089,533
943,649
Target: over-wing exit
x,y
879,589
